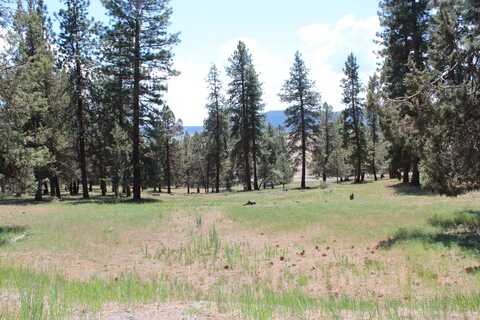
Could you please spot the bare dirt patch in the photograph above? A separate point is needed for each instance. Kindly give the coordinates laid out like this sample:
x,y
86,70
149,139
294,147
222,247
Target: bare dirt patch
x,y
207,250
163,311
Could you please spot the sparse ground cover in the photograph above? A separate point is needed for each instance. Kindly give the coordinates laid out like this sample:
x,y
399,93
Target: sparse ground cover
x,y
393,253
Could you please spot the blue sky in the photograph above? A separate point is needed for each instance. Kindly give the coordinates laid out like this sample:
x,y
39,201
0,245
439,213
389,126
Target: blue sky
x,y
324,31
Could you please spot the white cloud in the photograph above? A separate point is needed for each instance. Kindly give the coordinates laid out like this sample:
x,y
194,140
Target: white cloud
x,y
324,48
187,93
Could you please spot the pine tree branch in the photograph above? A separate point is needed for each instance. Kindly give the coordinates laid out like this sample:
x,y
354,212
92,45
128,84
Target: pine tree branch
x,y
408,99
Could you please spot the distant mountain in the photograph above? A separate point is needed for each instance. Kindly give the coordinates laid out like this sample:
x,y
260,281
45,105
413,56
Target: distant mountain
x,y
191,130
275,118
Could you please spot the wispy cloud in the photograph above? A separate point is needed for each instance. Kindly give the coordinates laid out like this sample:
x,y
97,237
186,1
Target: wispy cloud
x,y
324,47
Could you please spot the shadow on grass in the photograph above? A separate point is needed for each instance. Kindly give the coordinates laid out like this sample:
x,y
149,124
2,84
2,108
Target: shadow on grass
x,y
312,187
409,190
7,231
23,201
462,230
108,200
74,200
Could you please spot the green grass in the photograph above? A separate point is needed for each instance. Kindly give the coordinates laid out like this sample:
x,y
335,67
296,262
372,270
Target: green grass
x,y
422,239
52,297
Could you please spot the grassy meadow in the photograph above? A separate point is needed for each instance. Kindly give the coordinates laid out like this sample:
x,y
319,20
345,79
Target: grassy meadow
x,y
391,253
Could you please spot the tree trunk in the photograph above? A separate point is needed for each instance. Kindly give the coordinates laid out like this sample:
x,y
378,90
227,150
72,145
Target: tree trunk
x,y
218,149
136,114
406,171
254,156
103,187
416,173
207,178
168,172
358,173
74,190
90,186
81,128
303,184
45,188
327,146
115,189
245,140
248,174
56,184
51,180
38,193
358,155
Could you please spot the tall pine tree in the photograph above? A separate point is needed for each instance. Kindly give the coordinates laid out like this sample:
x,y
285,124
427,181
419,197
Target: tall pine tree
x,y
404,37
238,70
372,117
256,119
302,113
325,145
353,116
216,124
76,46
149,59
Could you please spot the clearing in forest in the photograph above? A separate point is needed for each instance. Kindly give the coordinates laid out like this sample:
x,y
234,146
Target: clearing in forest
x,y
392,252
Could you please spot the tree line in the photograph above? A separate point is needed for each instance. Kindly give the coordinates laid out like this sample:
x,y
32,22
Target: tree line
x,y
86,107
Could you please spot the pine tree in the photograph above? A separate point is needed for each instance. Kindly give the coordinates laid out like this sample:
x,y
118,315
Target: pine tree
x,y
338,165
216,125
199,161
149,60
353,117
274,167
76,46
31,90
446,99
404,37
373,108
119,151
239,70
187,150
115,66
325,145
171,130
162,132
302,114
256,118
